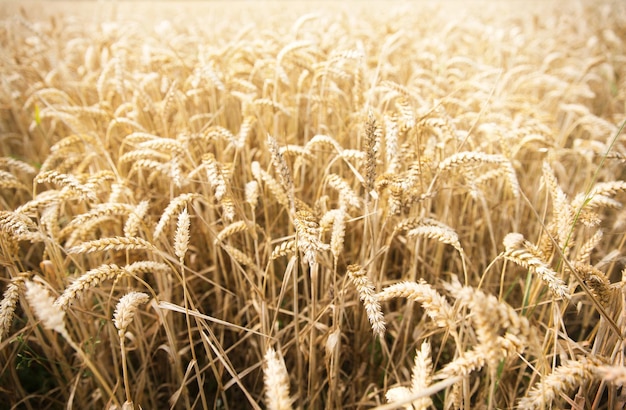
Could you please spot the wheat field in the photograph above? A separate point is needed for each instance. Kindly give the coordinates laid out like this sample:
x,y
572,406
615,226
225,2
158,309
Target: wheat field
x,y
292,205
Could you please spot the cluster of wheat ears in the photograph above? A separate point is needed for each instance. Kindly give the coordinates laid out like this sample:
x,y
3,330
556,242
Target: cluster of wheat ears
x,y
392,207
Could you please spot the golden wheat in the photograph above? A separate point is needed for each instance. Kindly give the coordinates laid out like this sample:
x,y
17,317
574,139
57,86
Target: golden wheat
x,y
181,238
175,206
181,157
307,239
88,280
276,382
523,253
421,378
115,243
370,299
67,181
562,379
435,305
9,303
126,309
51,316
135,219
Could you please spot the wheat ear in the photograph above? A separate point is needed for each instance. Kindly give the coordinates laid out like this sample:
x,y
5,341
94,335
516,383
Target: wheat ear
x,y
284,249
67,181
444,235
19,226
9,302
338,233
181,238
365,288
584,253
231,229
469,158
280,165
614,374
561,207
560,381
134,221
175,206
117,243
88,280
372,138
307,239
346,193
252,193
596,281
525,254
501,331
435,305
271,183
420,379
10,181
391,144
215,175
126,310
600,190
124,313
276,382
51,316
